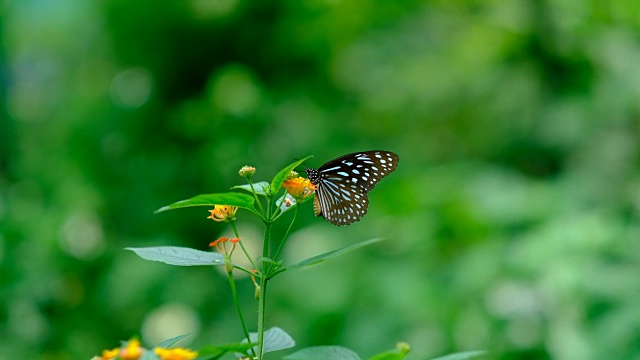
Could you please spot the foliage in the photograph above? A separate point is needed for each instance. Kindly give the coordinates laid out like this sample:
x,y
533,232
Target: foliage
x,y
225,206
512,221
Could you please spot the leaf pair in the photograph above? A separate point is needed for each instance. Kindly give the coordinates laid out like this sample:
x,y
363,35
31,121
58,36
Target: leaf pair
x,y
182,256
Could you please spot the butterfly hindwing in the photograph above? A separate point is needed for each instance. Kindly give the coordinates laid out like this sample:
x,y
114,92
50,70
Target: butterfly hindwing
x,y
342,184
340,203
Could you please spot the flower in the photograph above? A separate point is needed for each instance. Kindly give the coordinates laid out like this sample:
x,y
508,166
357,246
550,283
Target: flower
x,y
216,242
223,213
175,354
132,351
299,188
247,171
109,354
222,249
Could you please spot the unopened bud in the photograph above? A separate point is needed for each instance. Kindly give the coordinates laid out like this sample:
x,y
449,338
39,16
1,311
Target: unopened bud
x,y
258,292
403,347
247,171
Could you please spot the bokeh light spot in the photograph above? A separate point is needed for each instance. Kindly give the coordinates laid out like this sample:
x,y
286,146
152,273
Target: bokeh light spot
x,y
235,91
169,321
131,88
82,236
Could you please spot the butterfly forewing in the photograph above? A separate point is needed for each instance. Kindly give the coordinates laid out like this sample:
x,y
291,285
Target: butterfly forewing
x,y
342,184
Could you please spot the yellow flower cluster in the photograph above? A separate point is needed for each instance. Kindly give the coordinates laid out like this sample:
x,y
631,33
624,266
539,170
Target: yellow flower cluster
x,y
133,351
223,213
299,188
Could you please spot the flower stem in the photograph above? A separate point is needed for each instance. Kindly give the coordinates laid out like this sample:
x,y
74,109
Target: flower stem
x,y
256,196
263,288
295,215
261,316
234,293
244,250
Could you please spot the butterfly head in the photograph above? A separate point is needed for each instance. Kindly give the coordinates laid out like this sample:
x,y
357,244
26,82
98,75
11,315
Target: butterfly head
x,y
313,175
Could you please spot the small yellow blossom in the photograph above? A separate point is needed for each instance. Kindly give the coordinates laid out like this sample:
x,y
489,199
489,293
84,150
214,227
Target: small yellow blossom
x,y
223,213
299,188
175,354
109,354
247,171
132,351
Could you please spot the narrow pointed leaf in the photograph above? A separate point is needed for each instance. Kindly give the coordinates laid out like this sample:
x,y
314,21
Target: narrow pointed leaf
x,y
244,201
259,187
219,350
170,342
462,355
333,254
277,181
274,339
180,256
324,353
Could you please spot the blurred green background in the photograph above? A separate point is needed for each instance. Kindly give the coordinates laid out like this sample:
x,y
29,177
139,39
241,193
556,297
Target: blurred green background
x,y
513,216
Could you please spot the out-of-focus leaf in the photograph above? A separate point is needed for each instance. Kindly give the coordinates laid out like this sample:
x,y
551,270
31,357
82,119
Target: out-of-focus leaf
x,y
274,339
180,256
170,342
218,350
149,355
324,353
462,355
333,254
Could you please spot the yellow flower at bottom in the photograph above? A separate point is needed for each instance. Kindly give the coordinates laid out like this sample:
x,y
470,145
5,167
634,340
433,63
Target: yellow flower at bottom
x,y
175,354
132,351
109,354
299,188
223,213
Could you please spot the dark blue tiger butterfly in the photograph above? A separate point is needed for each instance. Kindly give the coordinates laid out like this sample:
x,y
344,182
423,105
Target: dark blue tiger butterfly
x,y
342,184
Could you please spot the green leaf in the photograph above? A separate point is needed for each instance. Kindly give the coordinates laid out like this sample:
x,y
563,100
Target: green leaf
x,y
219,350
390,355
170,342
401,351
276,183
258,187
462,355
180,256
149,355
231,199
333,254
324,353
274,339
280,203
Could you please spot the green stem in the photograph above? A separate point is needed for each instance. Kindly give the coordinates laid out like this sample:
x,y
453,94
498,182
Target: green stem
x,y
244,250
234,293
255,196
261,316
295,215
263,282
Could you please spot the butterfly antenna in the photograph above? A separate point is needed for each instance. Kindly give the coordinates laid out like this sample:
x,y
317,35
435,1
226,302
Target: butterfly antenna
x,y
297,167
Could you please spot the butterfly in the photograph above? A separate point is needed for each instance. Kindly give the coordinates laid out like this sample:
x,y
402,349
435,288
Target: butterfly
x,y
342,184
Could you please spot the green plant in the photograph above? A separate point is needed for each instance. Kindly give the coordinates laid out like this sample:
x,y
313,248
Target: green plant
x,y
269,203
